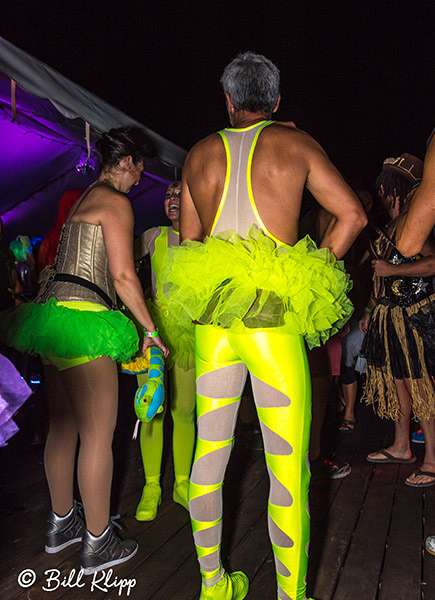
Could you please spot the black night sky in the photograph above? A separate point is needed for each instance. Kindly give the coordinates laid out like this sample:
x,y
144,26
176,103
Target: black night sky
x,y
358,76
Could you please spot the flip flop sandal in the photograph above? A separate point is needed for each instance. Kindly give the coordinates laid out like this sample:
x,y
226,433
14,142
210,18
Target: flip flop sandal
x,y
391,459
422,485
347,426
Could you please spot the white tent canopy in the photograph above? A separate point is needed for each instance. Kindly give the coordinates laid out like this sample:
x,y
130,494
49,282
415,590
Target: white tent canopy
x,y
42,131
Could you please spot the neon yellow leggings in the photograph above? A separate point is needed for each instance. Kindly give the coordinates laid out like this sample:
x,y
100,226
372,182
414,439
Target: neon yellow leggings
x,y
182,384
281,384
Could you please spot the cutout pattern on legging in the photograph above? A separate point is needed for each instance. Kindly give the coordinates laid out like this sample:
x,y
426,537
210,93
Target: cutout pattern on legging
x,y
281,385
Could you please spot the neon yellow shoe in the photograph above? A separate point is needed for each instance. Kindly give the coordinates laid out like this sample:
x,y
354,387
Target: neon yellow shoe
x,y
181,493
232,586
149,502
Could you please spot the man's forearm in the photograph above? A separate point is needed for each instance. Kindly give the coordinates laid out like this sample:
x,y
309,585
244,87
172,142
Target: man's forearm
x,y
415,227
341,233
425,267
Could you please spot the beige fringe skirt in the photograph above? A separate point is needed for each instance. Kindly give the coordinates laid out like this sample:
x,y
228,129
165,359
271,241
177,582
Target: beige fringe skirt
x,y
395,350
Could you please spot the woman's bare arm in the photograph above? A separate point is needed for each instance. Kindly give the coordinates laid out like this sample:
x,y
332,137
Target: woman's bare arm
x,y
116,219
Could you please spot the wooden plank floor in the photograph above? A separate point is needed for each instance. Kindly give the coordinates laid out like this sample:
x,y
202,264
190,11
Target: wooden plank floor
x,y
366,540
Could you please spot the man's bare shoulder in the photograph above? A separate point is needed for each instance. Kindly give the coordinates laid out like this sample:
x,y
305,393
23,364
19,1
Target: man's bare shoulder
x,y
283,146
206,150
211,143
290,135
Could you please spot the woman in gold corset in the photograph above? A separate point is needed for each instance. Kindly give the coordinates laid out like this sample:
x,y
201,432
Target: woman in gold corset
x,y
79,338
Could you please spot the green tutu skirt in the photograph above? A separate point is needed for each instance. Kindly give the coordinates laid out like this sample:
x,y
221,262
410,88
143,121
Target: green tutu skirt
x,y
51,329
234,283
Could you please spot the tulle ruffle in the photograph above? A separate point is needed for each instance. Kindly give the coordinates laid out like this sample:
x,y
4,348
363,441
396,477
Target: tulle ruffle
x,y
177,331
236,282
52,329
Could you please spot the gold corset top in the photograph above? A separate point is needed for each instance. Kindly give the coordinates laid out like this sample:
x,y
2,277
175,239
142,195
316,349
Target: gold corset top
x,y
81,252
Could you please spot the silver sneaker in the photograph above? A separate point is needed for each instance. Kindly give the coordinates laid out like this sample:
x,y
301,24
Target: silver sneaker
x,y
61,532
106,550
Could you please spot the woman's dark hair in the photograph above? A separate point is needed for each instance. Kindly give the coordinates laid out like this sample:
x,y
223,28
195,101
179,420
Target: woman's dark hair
x,y
116,144
394,185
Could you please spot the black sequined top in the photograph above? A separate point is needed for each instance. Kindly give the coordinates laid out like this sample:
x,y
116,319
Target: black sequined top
x,y
405,291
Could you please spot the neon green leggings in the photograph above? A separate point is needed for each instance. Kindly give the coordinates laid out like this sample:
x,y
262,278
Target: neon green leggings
x,y
182,384
281,384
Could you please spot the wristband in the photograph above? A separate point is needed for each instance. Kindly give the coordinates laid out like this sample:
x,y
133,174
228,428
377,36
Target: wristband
x,y
367,309
151,334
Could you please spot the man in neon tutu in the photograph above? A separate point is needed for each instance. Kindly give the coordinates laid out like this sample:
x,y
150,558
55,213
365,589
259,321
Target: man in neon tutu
x,y
254,293
181,372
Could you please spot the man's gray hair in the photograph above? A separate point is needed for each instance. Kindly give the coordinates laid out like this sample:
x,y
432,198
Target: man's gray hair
x,y
252,82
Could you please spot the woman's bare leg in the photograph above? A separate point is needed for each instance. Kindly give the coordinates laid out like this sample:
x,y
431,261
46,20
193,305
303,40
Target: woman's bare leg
x,y
401,447
428,427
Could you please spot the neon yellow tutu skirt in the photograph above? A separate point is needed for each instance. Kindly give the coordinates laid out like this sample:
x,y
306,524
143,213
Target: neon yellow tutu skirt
x,y
176,330
234,283
51,329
